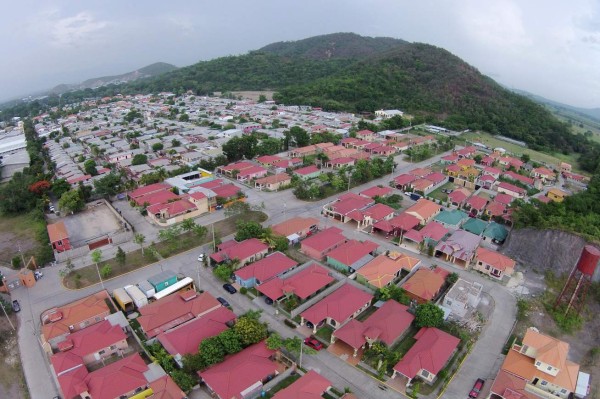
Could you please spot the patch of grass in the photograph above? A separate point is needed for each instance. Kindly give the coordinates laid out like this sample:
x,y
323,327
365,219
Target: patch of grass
x,y
406,343
325,333
439,195
25,230
286,382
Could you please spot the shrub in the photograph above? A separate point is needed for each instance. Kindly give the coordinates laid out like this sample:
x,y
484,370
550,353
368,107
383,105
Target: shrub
x,y
105,271
243,290
289,323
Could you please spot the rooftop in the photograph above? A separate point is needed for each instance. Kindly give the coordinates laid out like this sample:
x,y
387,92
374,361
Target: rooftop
x,y
339,305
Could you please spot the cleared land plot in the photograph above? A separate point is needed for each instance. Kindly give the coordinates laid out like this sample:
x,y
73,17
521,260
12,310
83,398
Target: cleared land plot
x,y
95,222
20,230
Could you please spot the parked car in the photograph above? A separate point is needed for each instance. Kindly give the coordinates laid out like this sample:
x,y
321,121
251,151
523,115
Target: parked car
x,y
224,302
314,343
218,207
229,288
476,388
15,305
201,258
268,300
38,275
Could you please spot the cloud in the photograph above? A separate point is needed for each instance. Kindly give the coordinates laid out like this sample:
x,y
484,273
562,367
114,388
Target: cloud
x,y
76,30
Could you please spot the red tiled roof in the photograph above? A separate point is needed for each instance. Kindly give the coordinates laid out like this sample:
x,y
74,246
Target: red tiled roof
x,y
436,177
166,388
237,166
496,208
268,159
173,208
492,171
294,225
226,190
238,372
251,171
302,284
420,172
173,310
495,259
151,188
57,231
404,221
324,240
72,383
267,267
64,361
117,378
376,191
94,338
421,184
350,202
404,179
352,251
434,230
477,202
515,176
425,283
307,170
457,196
339,305
511,187
159,197
240,250
503,198
431,352
186,338
78,179
310,386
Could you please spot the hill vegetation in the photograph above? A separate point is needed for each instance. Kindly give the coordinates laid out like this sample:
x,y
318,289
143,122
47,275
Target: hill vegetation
x,y
347,72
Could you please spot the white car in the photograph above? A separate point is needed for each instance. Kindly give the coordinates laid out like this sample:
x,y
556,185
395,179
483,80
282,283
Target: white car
x,y
201,258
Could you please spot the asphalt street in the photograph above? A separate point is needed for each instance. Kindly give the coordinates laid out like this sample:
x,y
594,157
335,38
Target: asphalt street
x,y
49,292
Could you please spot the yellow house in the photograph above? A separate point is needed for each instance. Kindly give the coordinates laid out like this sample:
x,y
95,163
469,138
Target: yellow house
x,y
556,194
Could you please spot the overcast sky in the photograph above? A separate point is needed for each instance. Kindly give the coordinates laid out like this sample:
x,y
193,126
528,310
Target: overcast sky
x,y
547,47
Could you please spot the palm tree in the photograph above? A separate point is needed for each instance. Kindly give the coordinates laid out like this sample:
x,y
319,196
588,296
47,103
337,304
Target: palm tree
x,y
139,239
268,238
96,258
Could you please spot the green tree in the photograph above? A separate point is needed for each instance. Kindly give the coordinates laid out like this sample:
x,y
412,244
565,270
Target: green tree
x,y
139,159
230,341
223,272
121,256
237,208
269,146
96,258
211,351
478,158
139,239
108,186
429,314
274,342
71,201
184,117
525,158
192,363
59,187
250,330
262,98
106,271
299,136
188,225
157,147
184,380
90,167
249,229
394,292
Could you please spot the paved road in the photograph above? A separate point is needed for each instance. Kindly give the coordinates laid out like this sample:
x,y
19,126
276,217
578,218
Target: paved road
x,y
279,206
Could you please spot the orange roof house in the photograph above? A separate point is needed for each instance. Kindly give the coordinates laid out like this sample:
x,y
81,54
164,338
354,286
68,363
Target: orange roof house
x,y
493,263
383,270
541,366
59,237
58,323
424,210
425,284
297,225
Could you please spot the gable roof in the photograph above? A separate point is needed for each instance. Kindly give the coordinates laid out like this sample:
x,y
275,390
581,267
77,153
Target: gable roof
x,y
266,268
325,239
186,338
339,305
302,284
352,251
57,231
151,188
424,208
404,221
173,310
94,338
475,226
380,271
294,225
166,388
238,372
425,283
453,217
431,352
240,250
495,259
376,191
117,378
310,386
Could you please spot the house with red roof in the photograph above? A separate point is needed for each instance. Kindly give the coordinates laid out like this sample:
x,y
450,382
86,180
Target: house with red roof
x,y
251,173
59,322
149,189
94,343
308,172
509,174
507,162
304,284
174,211
431,234
160,197
403,181
424,210
241,375
227,192
351,255
166,388
337,308
310,386
344,205
504,199
387,324
320,244
58,236
245,251
544,174
372,214
230,169
493,263
459,196
376,191
486,181
511,189
268,160
421,186
428,356
466,152
296,228
460,247
495,208
263,270
337,163
449,159
403,223
174,310
366,135
385,270
184,339
425,284
476,205
273,182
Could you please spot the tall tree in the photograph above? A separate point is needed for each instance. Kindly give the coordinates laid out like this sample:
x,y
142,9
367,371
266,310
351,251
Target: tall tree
x,y
139,239
71,201
97,258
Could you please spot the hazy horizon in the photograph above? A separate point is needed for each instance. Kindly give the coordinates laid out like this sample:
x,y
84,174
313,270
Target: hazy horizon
x,y
549,49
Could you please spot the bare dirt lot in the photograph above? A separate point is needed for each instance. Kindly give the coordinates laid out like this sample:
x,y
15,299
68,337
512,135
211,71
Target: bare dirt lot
x,y
12,380
254,95
96,221
17,231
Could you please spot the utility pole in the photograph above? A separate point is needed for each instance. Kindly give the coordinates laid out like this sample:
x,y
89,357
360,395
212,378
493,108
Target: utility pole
x,y
214,242
21,253
300,362
7,318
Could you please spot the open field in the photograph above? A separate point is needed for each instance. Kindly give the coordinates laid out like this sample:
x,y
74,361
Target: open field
x,y
15,231
253,95
12,381
493,142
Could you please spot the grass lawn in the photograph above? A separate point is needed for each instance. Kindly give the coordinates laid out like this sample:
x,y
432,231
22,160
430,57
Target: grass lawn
x,y
286,382
439,195
325,333
88,275
407,342
517,150
19,230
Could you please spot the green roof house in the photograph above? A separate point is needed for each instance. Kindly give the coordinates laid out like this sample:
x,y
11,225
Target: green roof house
x,y
475,226
451,219
495,233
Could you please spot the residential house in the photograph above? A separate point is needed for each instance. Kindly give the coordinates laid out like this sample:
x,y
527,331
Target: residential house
x,y
429,235
273,182
58,236
494,209
544,174
459,197
511,189
252,173
425,284
310,386
241,375
58,323
268,160
184,339
320,244
424,210
371,215
564,167
451,219
396,226
555,194
459,248
376,191
173,310
383,270
351,255
495,233
149,189
308,172
462,298
337,308
476,205
296,228
303,284
403,181
504,199
387,324
537,368
493,263
166,388
343,207
245,251
263,270
428,356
